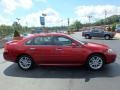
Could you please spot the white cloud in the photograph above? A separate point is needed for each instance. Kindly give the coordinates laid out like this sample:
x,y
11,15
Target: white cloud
x,y
8,6
97,12
52,18
25,3
11,5
4,20
41,1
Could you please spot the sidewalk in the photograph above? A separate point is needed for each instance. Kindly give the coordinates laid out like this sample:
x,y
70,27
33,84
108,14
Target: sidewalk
x,y
117,35
1,56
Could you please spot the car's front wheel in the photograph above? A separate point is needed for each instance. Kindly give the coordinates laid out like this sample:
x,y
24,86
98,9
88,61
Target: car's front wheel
x,y
95,62
25,62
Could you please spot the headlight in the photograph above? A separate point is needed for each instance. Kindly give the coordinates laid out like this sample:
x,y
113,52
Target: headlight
x,y
109,51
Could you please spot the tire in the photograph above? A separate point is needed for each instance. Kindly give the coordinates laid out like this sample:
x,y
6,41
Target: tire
x,y
95,62
107,37
25,62
87,37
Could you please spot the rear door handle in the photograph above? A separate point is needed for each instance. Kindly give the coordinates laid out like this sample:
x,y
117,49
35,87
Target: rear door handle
x,y
32,48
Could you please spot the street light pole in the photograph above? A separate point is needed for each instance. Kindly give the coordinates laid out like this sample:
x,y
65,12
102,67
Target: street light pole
x,y
18,20
89,17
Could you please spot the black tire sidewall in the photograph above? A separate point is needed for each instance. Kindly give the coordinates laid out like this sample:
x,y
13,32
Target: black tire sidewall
x,y
87,36
32,63
107,38
88,66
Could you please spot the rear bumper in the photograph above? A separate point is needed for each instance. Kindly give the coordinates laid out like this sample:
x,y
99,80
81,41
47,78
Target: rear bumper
x,y
9,57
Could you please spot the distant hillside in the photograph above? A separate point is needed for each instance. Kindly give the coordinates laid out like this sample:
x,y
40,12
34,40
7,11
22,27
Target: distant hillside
x,y
108,20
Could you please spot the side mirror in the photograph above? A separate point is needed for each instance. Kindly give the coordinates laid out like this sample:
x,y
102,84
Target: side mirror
x,y
74,45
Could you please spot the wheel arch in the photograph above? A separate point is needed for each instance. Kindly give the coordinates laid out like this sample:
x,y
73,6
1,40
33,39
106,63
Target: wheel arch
x,y
106,35
24,54
87,34
96,53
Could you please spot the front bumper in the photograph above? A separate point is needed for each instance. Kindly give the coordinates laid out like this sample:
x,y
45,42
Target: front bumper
x,y
110,58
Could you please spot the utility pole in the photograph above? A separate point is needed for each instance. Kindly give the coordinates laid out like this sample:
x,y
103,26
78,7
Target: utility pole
x,y
105,15
105,12
68,21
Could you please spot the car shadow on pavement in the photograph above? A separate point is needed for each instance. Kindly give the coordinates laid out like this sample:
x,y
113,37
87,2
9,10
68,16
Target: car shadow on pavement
x,y
109,71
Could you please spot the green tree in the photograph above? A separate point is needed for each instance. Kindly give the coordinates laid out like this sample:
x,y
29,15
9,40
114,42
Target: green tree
x,y
76,26
5,30
16,26
113,27
109,20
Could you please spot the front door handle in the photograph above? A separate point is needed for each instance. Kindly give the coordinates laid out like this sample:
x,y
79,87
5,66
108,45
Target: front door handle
x,y
59,49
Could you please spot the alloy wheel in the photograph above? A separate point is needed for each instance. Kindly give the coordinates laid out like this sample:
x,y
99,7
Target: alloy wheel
x,y
25,62
95,62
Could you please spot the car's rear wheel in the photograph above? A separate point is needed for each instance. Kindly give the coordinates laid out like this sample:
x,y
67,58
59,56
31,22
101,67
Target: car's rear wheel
x,y
25,62
95,62
87,37
107,37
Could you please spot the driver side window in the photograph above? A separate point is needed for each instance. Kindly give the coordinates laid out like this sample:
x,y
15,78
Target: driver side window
x,y
62,41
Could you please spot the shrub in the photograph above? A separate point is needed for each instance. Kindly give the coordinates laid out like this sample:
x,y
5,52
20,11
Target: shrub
x,y
16,34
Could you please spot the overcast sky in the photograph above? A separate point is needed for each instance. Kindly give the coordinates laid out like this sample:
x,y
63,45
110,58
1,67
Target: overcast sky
x,y
57,11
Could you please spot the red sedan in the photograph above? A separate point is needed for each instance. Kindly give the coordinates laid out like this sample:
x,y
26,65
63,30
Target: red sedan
x,y
57,49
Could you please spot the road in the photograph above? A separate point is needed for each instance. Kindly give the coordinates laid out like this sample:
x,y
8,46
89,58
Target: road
x,y
56,78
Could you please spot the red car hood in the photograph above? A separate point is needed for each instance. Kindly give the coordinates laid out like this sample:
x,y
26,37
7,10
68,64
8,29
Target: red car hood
x,y
96,46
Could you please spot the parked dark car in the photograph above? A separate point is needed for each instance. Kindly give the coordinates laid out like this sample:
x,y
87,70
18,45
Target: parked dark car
x,y
58,50
98,33
117,30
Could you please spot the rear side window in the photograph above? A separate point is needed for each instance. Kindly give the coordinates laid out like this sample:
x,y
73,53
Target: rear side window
x,y
29,42
41,40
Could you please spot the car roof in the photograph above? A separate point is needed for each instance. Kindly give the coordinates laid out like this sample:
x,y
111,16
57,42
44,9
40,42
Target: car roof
x,y
45,34
50,34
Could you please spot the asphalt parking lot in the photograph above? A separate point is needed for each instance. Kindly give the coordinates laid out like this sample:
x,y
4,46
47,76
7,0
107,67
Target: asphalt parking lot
x,y
57,78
